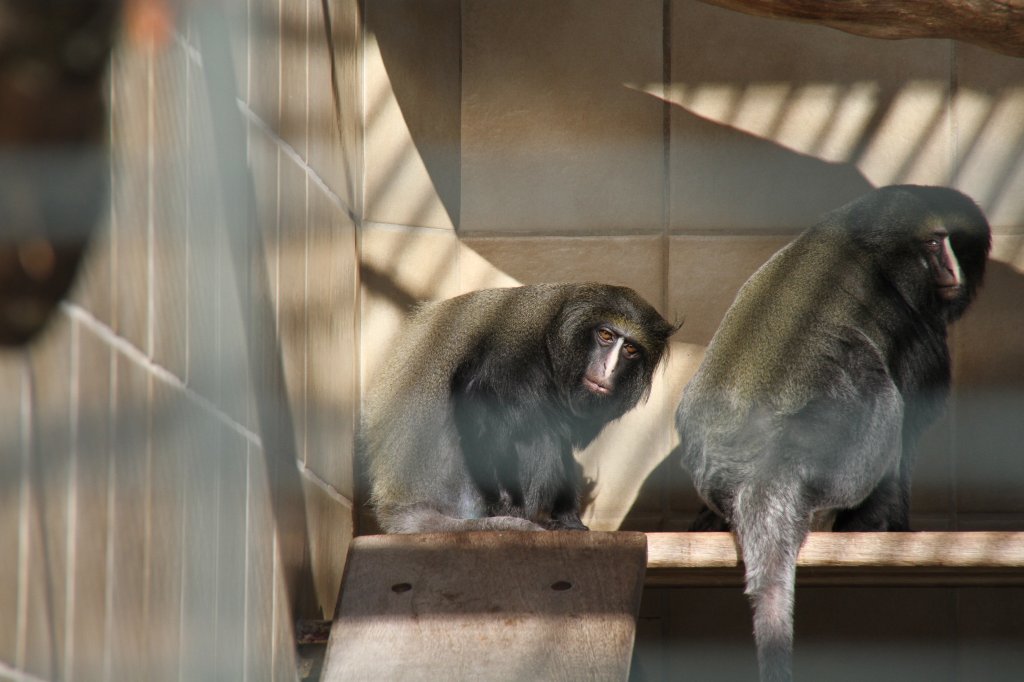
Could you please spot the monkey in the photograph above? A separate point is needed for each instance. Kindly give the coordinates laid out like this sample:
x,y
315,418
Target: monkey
x,y
473,422
828,365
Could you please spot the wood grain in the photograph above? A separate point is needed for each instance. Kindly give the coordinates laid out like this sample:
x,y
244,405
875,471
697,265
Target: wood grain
x,y
994,24
927,558
488,606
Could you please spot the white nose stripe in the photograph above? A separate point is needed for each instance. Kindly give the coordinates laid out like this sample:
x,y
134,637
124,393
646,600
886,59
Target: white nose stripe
x,y
612,358
950,258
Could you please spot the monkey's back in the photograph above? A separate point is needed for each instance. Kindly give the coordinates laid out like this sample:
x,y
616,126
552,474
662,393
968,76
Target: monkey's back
x,y
792,314
814,388
775,378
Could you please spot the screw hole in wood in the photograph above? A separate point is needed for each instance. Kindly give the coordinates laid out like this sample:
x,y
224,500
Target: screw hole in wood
x,y
561,585
399,588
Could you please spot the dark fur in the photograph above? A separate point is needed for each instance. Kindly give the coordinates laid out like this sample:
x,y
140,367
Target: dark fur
x,y
473,424
829,364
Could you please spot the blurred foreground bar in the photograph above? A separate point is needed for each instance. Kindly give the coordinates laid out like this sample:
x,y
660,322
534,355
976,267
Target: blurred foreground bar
x,y
53,156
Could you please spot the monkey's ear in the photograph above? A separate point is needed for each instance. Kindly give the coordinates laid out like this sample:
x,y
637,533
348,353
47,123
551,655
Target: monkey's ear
x,y
661,330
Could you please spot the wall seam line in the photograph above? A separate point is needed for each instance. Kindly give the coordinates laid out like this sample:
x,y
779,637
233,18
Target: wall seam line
x,y
294,155
133,353
331,491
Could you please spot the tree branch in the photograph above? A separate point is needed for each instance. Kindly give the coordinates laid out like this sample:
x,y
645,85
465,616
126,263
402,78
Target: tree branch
x,y
997,25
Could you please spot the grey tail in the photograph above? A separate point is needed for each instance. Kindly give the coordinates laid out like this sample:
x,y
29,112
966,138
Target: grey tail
x,y
771,524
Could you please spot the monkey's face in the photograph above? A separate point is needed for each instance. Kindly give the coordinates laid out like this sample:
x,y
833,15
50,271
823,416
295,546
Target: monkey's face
x,y
603,347
933,242
611,353
953,262
943,267
928,271
614,361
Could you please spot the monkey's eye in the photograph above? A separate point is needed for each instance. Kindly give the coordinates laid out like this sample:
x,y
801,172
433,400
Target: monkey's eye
x,y
934,243
605,336
629,350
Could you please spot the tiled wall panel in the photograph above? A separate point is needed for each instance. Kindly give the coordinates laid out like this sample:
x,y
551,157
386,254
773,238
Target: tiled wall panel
x,y
989,374
331,337
283,666
200,542
333,89
795,119
230,553
294,31
292,313
205,257
330,532
51,472
167,499
128,651
398,268
988,133
557,134
266,46
168,200
412,112
259,571
130,102
94,287
636,262
704,274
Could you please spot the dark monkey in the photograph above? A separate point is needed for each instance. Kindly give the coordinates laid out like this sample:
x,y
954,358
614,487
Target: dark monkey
x,y
473,424
829,364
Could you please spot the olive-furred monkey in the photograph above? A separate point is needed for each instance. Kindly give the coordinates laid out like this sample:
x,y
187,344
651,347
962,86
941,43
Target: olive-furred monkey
x,y
823,373
472,423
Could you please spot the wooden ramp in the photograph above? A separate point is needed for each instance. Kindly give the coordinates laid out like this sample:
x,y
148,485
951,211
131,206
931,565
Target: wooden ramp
x,y
488,606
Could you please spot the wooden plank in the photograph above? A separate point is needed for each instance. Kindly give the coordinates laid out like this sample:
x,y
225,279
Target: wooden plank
x,y
926,559
488,606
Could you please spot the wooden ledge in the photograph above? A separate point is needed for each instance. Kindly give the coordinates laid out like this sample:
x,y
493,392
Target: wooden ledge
x,y
925,559
487,606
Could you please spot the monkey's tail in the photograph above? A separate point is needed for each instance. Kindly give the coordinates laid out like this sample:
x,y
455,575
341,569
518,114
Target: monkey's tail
x,y
771,523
